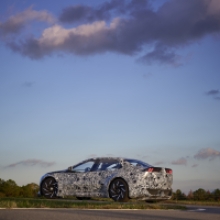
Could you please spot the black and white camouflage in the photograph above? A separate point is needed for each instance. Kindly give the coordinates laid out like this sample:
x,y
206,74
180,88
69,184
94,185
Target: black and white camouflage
x,y
94,181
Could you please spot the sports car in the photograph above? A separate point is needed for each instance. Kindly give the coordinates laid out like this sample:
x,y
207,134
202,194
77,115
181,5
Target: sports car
x,y
109,177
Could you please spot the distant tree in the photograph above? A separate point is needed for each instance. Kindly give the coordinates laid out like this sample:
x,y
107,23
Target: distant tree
x,y
208,195
26,191
200,195
10,189
178,195
1,181
1,185
216,195
1,188
30,190
190,195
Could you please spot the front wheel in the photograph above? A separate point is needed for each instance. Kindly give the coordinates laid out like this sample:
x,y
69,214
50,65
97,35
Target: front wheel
x,y
118,190
49,188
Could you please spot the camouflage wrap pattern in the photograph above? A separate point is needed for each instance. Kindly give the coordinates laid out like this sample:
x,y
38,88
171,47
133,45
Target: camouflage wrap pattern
x,y
141,184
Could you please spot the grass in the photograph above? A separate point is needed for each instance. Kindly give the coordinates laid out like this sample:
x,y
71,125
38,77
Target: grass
x,y
93,204
188,202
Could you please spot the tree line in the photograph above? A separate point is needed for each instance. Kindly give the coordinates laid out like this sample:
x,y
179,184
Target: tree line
x,y
197,195
9,188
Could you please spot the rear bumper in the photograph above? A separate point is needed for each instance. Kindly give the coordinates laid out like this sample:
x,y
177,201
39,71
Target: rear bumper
x,y
161,193
154,194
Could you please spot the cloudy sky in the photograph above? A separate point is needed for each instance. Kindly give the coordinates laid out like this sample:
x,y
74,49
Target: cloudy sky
x,y
131,78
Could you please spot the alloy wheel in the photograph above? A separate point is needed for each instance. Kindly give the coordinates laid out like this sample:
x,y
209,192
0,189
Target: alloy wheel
x,y
49,188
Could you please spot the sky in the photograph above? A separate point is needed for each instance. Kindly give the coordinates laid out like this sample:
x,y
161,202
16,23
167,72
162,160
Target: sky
x,y
127,78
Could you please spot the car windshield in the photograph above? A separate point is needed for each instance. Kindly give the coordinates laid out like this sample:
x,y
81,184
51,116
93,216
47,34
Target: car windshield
x,y
138,163
83,167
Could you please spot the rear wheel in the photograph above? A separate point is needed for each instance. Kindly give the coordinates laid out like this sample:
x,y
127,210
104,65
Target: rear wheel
x,y
49,188
118,190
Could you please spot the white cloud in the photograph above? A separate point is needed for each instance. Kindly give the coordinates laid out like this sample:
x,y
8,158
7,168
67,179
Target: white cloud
x,y
213,7
128,28
31,162
159,163
207,153
57,35
181,161
15,23
194,165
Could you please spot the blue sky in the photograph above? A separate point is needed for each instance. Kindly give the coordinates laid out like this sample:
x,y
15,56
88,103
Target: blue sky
x,y
136,79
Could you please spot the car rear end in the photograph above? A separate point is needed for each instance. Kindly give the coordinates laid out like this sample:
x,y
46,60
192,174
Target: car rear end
x,y
158,183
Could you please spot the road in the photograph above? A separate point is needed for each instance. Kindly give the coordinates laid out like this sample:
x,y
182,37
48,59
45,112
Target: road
x,y
201,213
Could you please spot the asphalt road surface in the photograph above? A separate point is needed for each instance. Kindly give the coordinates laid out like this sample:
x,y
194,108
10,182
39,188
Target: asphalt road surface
x,y
201,213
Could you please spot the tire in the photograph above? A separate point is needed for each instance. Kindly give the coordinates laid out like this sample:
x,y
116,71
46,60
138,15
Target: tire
x,y
118,190
49,188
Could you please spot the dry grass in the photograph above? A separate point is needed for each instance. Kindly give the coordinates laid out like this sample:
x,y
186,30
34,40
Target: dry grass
x,y
8,204
44,203
187,202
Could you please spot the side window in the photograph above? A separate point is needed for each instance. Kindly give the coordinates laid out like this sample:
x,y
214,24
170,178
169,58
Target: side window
x,y
110,165
137,163
85,167
114,166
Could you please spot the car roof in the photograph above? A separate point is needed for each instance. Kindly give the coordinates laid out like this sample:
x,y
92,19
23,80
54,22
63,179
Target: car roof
x,y
105,158
119,159
114,158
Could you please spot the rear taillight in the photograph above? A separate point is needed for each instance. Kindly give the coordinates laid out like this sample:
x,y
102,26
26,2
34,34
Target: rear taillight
x,y
154,169
169,171
150,169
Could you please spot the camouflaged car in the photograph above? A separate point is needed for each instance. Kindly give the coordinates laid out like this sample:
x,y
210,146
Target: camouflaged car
x,y
109,177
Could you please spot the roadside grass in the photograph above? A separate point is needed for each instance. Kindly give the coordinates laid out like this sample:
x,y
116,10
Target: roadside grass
x,y
11,203
189,202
